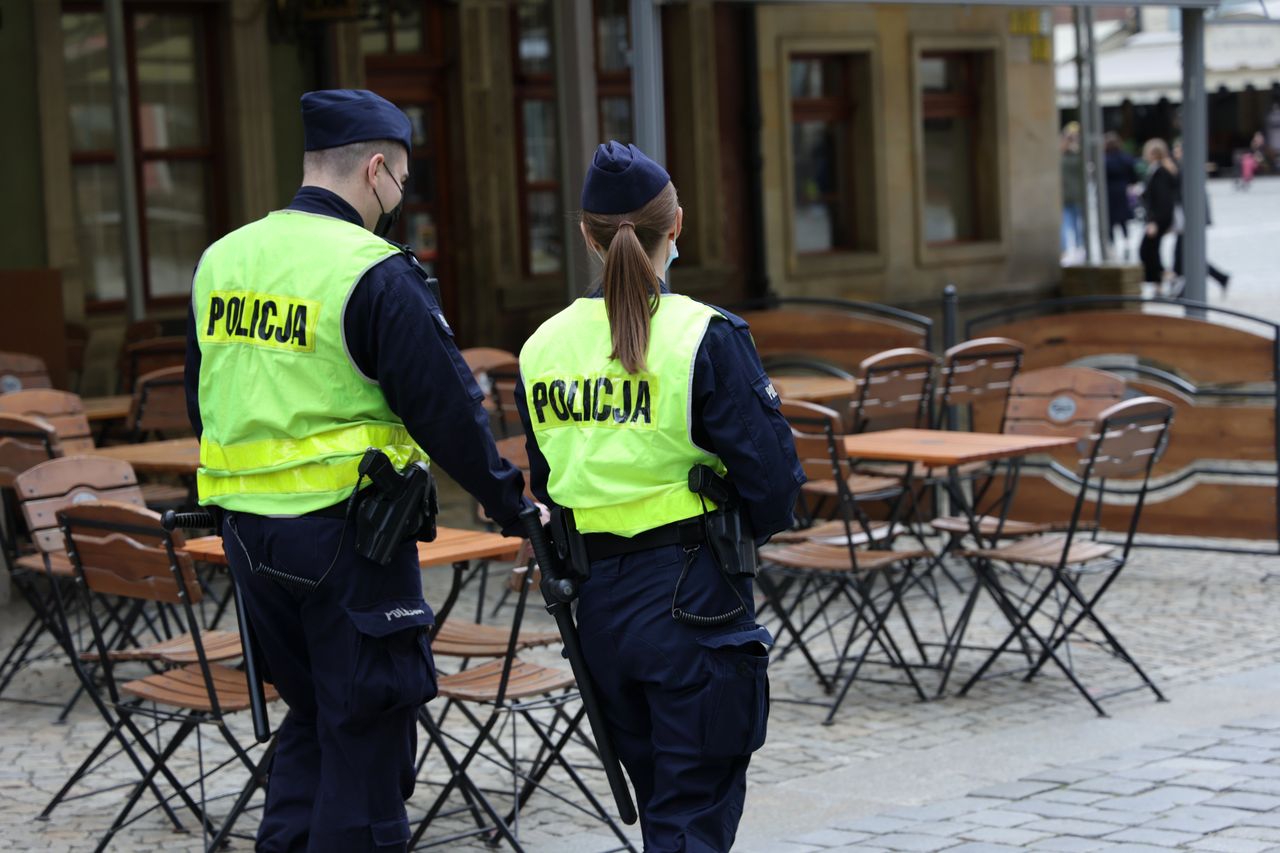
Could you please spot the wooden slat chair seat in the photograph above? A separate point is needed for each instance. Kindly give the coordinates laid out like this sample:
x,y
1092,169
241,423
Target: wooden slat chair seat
x,y
185,688
62,410
181,650
471,640
20,371
989,526
123,550
1047,551
868,486
482,683
822,557
77,480
504,689
1124,443
834,529
1050,401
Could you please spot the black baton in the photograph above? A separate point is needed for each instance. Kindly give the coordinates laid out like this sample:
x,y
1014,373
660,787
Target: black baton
x,y
558,590
257,698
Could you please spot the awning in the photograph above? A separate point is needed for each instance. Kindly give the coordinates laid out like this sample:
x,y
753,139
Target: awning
x,y
1148,66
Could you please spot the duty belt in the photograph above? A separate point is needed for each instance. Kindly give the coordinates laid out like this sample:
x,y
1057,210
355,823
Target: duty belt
x,y
688,533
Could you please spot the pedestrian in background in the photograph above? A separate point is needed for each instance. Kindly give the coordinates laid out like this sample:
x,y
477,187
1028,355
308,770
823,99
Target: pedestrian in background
x,y
1159,201
1072,194
1122,172
1216,274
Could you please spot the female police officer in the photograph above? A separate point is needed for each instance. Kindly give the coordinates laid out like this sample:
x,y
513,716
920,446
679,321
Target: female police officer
x,y
622,393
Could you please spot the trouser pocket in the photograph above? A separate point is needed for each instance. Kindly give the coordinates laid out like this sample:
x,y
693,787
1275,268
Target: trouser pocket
x,y
393,667
735,701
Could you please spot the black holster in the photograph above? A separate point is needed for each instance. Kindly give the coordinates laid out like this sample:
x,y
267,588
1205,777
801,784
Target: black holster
x,y
398,507
570,546
728,528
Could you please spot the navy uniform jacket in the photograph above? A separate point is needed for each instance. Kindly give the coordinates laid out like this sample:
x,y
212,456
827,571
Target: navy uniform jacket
x,y
735,416
397,334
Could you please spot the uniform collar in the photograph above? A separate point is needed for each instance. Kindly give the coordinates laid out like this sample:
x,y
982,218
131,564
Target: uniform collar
x,y
597,292
325,202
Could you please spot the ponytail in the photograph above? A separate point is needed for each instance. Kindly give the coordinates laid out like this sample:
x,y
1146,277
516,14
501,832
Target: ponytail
x,y
630,297
631,289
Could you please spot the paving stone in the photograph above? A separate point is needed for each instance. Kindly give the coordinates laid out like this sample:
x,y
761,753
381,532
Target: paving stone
x,y
1113,785
1044,808
1015,790
1071,797
1200,819
1155,837
1270,834
875,825
831,838
916,843
1067,844
1237,753
1151,773
1252,802
1063,775
1160,799
981,847
1221,844
1259,786
1073,826
947,808
1000,817
1213,781
1003,835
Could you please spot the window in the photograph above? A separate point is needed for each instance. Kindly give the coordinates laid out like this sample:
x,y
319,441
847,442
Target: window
x,y
959,152
613,69
541,222
168,57
832,183
391,28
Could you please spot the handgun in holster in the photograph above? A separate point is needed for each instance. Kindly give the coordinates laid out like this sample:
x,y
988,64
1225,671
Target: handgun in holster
x,y
398,507
727,527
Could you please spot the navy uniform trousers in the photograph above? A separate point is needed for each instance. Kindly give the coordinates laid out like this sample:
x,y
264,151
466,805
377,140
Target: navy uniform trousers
x,y
687,706
352,659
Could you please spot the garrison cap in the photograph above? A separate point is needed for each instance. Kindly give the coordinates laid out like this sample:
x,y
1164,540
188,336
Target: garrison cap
x,y
334,117
621,179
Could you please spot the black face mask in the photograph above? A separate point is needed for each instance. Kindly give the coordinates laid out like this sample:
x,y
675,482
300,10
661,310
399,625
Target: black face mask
x,y
388,218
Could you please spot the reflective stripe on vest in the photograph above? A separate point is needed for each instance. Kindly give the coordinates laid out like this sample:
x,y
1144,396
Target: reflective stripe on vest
x,y
618,445
286,413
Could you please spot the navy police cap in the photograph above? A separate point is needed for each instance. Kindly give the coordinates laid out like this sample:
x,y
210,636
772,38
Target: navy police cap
x,y
334,117
621,179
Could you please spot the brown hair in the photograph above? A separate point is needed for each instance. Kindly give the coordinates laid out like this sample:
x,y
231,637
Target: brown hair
x,y
631,288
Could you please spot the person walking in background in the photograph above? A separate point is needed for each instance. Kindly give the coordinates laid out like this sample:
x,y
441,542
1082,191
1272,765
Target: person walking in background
x,y
1159,199
1122,172
1072,193
1216,274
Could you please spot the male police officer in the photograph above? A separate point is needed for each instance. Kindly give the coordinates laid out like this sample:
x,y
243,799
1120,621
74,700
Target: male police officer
x,y
310,339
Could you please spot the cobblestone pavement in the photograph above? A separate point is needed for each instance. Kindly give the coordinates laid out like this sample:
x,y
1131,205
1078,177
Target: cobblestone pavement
x,y
1192,618
1215,789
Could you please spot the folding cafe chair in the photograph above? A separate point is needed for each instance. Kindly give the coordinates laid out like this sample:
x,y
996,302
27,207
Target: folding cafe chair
x,y
65,412
502,692
832,589
1128,439
19,371
123,550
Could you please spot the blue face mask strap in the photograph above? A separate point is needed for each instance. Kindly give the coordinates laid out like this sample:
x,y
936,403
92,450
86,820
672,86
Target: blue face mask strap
x,y
673,254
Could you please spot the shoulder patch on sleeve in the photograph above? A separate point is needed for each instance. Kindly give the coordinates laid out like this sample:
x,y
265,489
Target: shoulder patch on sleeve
x,y
442,322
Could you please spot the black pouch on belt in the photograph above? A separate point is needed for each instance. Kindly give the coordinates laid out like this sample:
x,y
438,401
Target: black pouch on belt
x,y
728,531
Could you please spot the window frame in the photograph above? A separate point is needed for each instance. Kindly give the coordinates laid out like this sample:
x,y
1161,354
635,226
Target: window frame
x,y
868,121
989,129
532,87
611,85
213,153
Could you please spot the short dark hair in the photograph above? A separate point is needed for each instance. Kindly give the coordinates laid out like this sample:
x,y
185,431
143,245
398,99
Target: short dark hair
x,y
346,159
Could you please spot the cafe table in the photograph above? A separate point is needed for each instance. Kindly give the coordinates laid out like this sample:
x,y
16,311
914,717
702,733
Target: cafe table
x,y
952,449
813,389
98,409
179,456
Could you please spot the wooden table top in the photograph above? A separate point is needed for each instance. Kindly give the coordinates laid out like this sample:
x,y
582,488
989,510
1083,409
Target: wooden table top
x,y
814,389
945,448
175,456
452,545
106,408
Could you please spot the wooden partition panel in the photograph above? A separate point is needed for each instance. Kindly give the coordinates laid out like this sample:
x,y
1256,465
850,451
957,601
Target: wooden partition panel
x,y
836,333
32,320
1218,475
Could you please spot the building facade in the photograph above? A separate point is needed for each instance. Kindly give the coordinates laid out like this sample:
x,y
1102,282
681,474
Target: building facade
x,y
851,150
